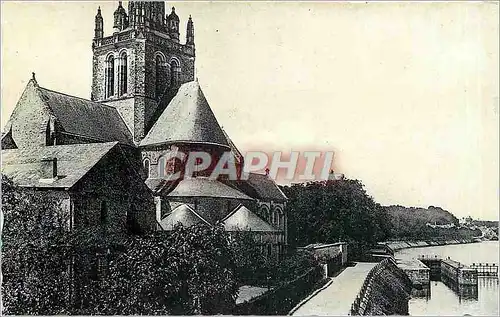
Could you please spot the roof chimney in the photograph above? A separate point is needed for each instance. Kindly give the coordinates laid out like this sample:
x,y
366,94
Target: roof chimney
x,y
49,168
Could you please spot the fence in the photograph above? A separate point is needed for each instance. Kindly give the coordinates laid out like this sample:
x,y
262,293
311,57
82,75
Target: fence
x,y
280,300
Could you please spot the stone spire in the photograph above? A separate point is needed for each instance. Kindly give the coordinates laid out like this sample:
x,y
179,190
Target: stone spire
x,y
99,25
190,32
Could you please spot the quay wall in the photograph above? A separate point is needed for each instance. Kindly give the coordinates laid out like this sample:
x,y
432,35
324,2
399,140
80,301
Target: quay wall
x,y
399,245
386,291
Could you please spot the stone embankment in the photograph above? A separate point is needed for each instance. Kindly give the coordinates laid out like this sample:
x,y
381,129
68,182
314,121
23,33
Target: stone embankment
x,y
399,245
386,291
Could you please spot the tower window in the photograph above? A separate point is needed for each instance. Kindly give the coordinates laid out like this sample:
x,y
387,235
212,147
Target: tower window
x,y
159,72
110,77
146,167
175,72
122,74
162,162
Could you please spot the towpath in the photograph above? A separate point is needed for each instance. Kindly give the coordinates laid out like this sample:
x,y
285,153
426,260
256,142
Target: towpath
x,y
336,298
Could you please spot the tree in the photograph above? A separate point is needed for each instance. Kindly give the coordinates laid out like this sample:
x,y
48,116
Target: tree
x,y
34,264
48,269
189,270
330,211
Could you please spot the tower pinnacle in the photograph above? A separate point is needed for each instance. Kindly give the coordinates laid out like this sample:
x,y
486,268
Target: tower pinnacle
x,y
190,32
99,25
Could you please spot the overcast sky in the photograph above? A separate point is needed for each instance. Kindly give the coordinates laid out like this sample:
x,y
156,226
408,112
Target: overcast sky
x,y
405,93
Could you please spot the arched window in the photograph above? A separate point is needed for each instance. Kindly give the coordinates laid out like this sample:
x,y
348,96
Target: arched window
x,y
162,172
175,72
279,217
159,72
122,74
264,212
146,165
110,76
50,133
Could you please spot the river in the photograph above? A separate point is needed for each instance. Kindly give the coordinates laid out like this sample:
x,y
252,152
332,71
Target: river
x,y
443,301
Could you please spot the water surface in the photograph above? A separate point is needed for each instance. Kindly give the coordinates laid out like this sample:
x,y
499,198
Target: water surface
x,y
443,301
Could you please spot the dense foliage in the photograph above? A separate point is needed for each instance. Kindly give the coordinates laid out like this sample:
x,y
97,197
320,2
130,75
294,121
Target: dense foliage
x,y
35,278
331,211
254,268
48,269
187,271
412,224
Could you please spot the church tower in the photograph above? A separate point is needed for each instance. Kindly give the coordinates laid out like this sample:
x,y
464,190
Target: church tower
x,y
139,68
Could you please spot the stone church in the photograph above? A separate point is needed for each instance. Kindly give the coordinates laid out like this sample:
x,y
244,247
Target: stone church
x,y
104,158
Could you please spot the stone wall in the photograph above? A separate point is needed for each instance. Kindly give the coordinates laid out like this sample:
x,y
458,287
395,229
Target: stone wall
x,y
29,120
114,185
139,104
386,291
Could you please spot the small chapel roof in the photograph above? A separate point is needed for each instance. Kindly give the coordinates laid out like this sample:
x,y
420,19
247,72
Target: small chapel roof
x,y
241,218
187,119
183,214
206,187
261,187
74,161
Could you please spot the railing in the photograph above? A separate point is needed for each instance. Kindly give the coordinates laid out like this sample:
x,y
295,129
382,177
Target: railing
x,y
485,269
281,299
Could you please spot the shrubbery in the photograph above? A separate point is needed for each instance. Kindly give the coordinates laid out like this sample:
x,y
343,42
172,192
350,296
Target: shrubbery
x,y
186,271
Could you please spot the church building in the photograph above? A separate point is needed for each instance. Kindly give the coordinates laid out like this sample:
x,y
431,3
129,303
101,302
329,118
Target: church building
x,y
106,158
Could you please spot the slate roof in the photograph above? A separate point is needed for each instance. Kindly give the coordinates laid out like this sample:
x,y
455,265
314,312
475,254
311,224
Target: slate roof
x,y
243,219
187,119
261,187
182,214
205,187
23,166
87,118
237,154
7,140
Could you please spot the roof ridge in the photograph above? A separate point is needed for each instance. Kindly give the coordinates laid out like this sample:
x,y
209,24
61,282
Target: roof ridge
x,y
192,210
81,98
235,209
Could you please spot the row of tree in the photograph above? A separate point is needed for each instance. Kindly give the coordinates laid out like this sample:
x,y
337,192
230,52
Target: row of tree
x,y
331,211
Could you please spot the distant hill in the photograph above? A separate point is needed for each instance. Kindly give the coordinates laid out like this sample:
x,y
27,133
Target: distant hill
x,y
431,214
485,223
411,223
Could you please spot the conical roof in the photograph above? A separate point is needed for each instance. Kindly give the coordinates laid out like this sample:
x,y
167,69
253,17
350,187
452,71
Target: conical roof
x,y
187,119
243,219
206,187
182,214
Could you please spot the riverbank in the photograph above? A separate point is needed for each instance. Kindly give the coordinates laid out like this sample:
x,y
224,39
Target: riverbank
x,y
400,245
385,291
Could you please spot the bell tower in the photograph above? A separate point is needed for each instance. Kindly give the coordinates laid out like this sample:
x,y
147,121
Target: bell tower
x,y
139,67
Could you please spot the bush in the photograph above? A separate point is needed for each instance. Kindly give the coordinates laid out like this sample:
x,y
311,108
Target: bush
x,y
49,270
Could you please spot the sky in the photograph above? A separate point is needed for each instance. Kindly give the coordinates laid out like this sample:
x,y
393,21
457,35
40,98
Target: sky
x,y
406,94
